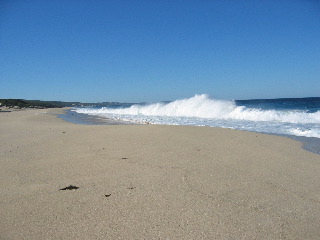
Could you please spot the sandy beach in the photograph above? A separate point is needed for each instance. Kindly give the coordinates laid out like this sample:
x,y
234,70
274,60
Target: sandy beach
x,y
152,182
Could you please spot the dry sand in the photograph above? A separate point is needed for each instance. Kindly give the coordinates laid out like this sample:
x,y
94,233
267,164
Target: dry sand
x,y
152,182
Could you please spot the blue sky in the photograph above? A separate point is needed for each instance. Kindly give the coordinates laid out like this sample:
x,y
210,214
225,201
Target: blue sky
x,y
153,50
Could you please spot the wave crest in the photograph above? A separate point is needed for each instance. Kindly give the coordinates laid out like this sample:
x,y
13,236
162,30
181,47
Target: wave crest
x,y
201,106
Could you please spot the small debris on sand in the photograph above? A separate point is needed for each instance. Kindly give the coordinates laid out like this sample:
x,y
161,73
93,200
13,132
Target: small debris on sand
x,y
71,187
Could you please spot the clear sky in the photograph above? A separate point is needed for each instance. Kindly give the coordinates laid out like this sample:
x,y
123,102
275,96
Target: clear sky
x,y
152,50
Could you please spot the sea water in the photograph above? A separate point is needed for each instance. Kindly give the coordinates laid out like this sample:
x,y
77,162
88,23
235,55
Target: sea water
x,y
295,117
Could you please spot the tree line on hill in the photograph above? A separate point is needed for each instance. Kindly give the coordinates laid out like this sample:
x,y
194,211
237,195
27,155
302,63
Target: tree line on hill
x,y
22,103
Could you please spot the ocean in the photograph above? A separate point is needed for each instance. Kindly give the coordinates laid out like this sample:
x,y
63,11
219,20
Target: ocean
x,y
293,117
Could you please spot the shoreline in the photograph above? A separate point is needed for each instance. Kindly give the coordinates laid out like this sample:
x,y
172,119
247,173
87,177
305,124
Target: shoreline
x,y
310,144
64,180
85,119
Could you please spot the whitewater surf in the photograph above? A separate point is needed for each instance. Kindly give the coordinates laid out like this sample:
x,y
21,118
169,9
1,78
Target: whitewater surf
x,y
299,117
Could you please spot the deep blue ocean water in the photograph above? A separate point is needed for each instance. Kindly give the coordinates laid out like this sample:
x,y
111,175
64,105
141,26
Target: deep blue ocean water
x,y
309,105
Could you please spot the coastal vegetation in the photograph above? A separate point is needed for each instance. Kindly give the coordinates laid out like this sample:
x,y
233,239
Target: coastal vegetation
x,y
21,103
38,104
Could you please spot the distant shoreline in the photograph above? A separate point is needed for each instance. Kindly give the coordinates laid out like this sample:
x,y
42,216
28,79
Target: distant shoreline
x,y
84,119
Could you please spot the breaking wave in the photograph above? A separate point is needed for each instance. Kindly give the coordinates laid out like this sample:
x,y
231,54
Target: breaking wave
x,y
201,106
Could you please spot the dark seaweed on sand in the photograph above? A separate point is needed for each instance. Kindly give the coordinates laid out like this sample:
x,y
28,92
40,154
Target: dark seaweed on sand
x,y
71,187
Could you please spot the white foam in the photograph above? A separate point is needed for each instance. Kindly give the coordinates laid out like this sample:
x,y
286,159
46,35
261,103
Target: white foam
x,y
306,133
200,110
201,106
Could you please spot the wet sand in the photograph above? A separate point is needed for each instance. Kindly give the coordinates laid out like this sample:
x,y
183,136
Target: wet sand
x,y
152,182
